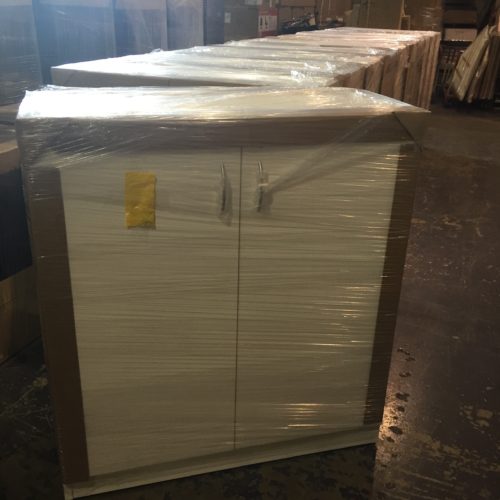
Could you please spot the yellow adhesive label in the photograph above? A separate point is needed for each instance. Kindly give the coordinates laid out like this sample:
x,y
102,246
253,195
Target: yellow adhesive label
x,y
140,199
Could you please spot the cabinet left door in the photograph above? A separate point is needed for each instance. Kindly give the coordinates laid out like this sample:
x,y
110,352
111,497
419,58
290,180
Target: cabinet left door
x,y
155,307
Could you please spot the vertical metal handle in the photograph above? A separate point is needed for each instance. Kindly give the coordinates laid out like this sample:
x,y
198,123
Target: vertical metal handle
x,y
223,188
261,187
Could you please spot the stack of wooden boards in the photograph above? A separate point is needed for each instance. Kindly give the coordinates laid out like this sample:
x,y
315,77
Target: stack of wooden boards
x,y
397,64
477,70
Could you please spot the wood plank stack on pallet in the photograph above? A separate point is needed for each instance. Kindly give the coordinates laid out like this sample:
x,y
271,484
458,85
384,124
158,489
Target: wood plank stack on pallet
x,y
477,70
398,64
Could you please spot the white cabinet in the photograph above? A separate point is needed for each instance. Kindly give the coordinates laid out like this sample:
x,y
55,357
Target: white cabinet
x,y
250,315
177,332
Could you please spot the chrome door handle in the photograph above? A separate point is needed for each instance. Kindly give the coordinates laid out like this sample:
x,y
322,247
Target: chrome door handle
x,y
225,208
262,181
223,190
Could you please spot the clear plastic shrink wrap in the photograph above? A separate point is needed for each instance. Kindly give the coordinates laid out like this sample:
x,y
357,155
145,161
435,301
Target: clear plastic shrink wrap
x,y
410,62
363,71
394,64
74,30
193,69
19,64
219,271
414,82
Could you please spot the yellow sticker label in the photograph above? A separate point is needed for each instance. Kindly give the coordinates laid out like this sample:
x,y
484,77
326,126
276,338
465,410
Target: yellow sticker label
x,y
140,199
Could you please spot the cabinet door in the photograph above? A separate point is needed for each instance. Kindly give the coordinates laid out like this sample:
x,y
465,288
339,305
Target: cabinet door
x,y
311,263
155,309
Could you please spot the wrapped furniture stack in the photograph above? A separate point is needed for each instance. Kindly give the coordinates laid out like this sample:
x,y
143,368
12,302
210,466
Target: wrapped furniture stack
x,y
219,271
398,64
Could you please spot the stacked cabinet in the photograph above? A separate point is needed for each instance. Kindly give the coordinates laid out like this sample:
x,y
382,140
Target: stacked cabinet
x,y
219,271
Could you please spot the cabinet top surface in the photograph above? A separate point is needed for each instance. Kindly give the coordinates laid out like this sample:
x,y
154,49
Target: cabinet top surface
x,y
203,104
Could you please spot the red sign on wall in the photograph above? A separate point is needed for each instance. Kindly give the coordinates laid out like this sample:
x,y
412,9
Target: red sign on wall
x,y
268,21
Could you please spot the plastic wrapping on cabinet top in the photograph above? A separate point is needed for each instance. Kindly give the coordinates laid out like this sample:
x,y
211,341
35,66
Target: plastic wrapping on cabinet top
x,y
172,69
301,58
226,261
297,68
393,64
291,42
376,34
19,64
202,103
399,34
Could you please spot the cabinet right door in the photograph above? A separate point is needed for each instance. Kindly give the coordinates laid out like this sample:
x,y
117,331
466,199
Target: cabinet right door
x,y
314,225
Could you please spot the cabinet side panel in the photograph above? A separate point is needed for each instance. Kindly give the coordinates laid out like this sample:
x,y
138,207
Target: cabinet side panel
x,y
397,242
48,232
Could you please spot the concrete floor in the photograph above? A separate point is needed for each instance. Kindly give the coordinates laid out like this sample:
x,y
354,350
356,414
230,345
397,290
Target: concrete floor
x,y
440,438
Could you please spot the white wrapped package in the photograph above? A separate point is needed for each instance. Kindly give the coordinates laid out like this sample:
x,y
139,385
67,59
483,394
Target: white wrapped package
x,y
181,69
383,62
219,271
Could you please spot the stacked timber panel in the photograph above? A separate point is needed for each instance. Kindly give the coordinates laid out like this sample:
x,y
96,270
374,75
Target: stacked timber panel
x,y
398,64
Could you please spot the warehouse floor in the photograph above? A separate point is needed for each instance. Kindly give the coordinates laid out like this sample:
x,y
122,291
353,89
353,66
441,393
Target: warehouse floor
x,y
441,433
